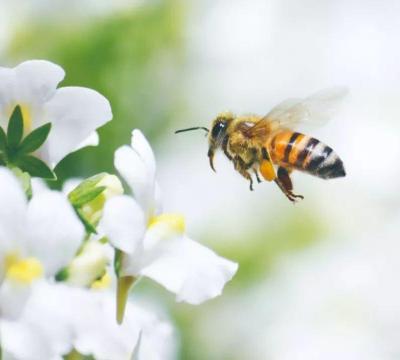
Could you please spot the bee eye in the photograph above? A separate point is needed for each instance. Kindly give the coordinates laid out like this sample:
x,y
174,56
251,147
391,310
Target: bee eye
x,y
217,129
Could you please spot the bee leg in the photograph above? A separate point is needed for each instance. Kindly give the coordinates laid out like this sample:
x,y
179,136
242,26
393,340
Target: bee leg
x,y
283,176
253,164
285,184
247,175
251,183
225,147
241,167
287,193
257,176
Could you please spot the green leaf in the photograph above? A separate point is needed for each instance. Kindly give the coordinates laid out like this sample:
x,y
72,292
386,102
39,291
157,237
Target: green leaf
x,y
35,139
86,186
88,196
15,128
35,167
3,139
2,162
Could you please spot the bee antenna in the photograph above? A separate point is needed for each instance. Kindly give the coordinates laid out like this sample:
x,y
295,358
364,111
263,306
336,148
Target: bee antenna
x,y
193,128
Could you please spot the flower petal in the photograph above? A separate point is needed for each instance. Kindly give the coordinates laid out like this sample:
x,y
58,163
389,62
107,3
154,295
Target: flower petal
x,y
92,140
38,185
54,230
123,222
102,337
70,184
7,91
190,270
156,339
49,310
133,170
12,212
136,165
37,80
75,112
43,330
158,205
30,84
141,146
13,297
24,341
160,230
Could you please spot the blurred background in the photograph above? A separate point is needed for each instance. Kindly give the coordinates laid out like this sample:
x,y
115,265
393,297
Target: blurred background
x,y
318,280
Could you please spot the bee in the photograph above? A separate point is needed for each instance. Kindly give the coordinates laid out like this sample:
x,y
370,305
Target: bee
x,y
269,146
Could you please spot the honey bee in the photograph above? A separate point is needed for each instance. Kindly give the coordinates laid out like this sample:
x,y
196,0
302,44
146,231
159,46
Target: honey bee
x,y
267,145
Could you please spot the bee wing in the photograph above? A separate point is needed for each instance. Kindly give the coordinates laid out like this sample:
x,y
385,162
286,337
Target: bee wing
x,y
316,109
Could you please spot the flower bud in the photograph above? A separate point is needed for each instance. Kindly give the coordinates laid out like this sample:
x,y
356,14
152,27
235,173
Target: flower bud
x,y
91,194
89,265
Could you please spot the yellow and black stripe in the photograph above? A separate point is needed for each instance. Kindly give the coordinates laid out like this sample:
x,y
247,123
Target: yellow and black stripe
x,y
298,151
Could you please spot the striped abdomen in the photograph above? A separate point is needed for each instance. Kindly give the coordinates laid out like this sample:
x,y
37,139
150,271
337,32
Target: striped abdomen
x,y
297,151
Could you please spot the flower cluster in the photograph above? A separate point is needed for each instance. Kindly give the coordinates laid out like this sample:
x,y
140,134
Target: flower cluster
x,y
68,259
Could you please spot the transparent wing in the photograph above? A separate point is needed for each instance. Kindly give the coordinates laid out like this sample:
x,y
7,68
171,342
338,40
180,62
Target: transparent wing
x,y
316,109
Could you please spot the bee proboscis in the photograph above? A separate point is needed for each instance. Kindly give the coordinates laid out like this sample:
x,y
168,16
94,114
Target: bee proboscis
x,y
269,146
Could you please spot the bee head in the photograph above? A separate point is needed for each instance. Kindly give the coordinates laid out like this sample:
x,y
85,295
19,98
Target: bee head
x,y
218,128
217,133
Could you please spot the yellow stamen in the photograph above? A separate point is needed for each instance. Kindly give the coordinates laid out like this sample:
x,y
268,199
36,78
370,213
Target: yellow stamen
x,y
11,259
103,283
23,270
175,222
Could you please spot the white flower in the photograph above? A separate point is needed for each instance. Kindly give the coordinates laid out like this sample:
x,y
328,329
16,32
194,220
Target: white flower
x,y
36,239
38,333
68,318
40,320
153,244
94,255
75,112
100,335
